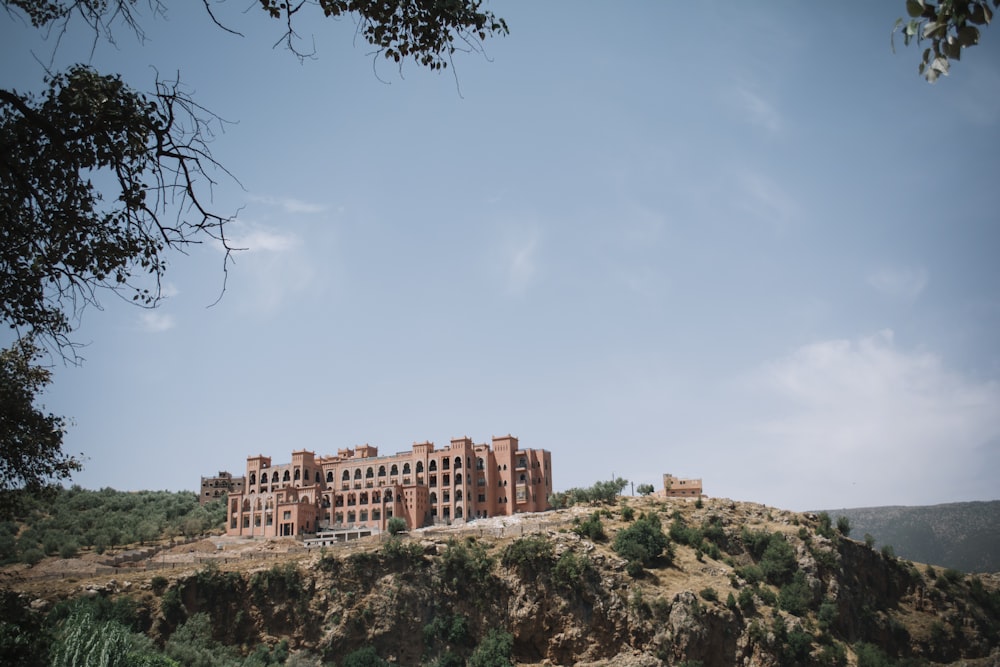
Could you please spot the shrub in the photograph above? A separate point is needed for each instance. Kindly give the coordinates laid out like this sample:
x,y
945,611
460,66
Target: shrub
x,y
825,527
571,569
401,551
494,651
159,584
529,555
627,513
710,594
364,657
69,549
645,489
591,528
32,556
778,561
643,542
843,525
396,525
796,597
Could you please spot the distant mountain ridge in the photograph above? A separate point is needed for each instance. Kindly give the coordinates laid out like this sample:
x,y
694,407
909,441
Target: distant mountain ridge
x,y
964,536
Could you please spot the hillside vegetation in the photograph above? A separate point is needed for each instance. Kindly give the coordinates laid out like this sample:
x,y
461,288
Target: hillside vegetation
x,y
964,536
637,583
76,519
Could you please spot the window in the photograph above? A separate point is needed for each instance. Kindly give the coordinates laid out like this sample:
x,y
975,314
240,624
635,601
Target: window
x,y
444,463
420,466
434,498
480,465
286,515
329,476
369,473
481,498
253,478
394,470
458,461
406,468
274,477
357,473
298,474
433,465
270,520
346,476
381,471
458,478
286,477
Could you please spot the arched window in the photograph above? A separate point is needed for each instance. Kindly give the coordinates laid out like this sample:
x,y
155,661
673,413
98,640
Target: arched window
x,y
357,473
253,478
458,512
394,470
433,465
522,478
434,498
352,499
317,477
234,505
445,462
350,516
246,504
480,465
298,474
406,468
274,477
286,477
346,476
364,515
376,497
329,476
388,495
458,478
420,467
369,473
376,514
458,495
458,462
381,471
363,499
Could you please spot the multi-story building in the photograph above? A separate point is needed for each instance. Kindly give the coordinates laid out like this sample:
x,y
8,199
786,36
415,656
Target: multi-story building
x,y
357,487
213,488
677,487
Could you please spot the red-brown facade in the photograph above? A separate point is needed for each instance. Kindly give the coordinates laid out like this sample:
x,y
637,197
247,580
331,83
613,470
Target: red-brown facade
x,y
357,487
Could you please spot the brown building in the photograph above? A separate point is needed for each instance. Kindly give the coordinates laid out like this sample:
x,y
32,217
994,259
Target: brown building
x,y
357,487
213,488
676,487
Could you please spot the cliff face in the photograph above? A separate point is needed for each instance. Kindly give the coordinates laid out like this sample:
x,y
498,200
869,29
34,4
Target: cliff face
x,y
740,584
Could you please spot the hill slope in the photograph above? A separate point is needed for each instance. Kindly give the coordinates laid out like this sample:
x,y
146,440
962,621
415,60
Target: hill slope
x,y
738,583
963,536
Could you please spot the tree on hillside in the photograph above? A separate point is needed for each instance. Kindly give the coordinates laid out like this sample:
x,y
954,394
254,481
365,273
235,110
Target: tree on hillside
x,y
64,239
31,456
949,25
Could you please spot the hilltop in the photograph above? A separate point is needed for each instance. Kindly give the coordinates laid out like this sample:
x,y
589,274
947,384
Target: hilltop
x,y
738,583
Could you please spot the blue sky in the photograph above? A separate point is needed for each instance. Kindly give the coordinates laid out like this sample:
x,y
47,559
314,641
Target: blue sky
x,y
738,241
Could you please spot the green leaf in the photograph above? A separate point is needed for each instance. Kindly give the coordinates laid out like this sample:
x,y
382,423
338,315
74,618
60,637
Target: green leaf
x,y
914,8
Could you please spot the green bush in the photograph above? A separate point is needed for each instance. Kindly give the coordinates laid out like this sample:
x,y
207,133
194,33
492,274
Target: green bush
x,y
645,489
642,543
365,657
591,528
778,560
571,569
396,525
530,555
32,556
795,596
709,594
627,513
844,526
495,650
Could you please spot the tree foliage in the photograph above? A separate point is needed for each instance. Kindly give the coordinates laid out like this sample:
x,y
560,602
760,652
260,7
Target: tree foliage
x,y
949,25
31,456
99,182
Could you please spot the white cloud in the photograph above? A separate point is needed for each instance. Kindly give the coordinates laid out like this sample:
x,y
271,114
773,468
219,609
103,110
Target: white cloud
x,y
764,199
861,422
155,322
291,205
756,109
521,267
905,284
